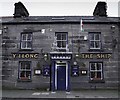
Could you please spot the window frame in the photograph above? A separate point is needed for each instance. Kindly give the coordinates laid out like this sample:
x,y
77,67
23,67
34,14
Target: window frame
x,y
66,40
20,70
94,40
21,40
101,79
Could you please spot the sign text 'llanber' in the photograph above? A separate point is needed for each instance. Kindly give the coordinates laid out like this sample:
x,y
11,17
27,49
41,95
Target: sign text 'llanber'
x,y
95,55
25,55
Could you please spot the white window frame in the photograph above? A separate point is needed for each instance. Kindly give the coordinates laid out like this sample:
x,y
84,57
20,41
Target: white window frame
x,y
94,40
101,70
66,40
26,41
20,70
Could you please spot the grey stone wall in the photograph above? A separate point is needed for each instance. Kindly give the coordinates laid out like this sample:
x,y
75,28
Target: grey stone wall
x,y
43,41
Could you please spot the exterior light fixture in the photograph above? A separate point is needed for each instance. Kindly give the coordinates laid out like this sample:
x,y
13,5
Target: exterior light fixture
x,y
75,63
45,55
76,55
85,37
112,27
5,29
0,32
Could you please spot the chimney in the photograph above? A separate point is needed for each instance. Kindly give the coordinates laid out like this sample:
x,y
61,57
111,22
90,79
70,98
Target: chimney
x,y
100,9
20,10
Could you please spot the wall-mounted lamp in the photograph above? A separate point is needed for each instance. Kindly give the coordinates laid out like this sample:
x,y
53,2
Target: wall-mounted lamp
x,y
112,27
0,32
76,55
45,56
5,29
75,63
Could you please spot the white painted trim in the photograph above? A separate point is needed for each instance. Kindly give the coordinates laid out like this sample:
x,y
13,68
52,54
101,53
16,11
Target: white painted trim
x,y
66,75
56,76
56,66
60,52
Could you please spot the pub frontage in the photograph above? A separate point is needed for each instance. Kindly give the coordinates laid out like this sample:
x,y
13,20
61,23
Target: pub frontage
x,y
60,53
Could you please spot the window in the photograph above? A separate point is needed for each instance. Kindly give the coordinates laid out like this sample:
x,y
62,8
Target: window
x,y
95,40
26,41
96,70
24,70
62,41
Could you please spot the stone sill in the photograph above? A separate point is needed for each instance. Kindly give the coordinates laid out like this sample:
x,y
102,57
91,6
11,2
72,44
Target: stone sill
x,y
24,80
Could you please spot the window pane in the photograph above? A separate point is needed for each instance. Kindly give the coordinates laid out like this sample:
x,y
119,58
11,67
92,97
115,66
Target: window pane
x,y
24,36
64,44
23,44
97,37
27,65
98,74
58,36
29,45
59,44
63,36
29,37
97,44
91,36
99,66
22,74
28,74
91,44
92,66
92,74
22,65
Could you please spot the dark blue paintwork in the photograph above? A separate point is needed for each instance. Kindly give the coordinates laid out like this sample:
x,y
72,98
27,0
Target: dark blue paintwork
x,y
53,76
61,78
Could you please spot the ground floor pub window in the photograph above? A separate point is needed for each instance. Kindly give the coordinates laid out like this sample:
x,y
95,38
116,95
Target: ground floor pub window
x,y
25,70
96,70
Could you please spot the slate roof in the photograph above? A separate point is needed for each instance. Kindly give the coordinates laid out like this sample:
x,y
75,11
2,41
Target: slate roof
x,y
58,19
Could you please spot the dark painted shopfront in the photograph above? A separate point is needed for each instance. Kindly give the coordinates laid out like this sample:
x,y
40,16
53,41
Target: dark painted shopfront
x,y
60,53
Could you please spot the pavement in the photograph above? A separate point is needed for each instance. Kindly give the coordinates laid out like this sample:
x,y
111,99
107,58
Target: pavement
x,y
37,94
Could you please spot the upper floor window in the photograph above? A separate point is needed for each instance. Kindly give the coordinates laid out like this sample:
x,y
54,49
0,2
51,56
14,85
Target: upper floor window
x,y
24,70
95,40
62,41
26,41
96,69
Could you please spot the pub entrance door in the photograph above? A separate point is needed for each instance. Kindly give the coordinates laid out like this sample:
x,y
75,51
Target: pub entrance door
x,y
60,76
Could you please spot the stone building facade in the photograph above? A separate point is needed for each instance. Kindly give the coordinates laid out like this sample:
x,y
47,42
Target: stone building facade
x,y
59,52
